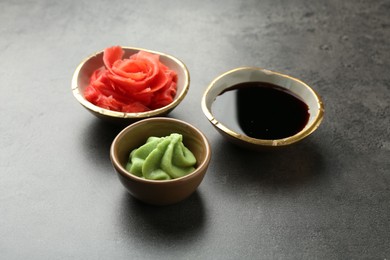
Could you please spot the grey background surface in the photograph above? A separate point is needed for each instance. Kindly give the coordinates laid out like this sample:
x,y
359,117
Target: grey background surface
x,y
325,198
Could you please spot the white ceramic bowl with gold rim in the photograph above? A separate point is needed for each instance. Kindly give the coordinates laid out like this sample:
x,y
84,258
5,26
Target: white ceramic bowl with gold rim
x,y
85,69
253,74
160,192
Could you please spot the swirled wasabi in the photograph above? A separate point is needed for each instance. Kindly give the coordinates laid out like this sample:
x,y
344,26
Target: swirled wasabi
x,y
162,158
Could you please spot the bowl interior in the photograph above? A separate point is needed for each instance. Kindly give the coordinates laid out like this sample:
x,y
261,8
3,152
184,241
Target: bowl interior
x,y
83,72
136,135
250,74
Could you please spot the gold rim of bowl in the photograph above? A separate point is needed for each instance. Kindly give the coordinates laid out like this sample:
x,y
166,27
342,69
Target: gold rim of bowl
x,y
307,130
80,96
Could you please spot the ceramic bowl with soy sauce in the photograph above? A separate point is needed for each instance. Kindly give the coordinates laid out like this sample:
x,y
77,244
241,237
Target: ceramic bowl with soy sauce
x,y
84,71
259,109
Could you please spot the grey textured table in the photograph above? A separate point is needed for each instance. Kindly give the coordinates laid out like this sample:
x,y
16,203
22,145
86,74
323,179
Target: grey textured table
x,y
325,198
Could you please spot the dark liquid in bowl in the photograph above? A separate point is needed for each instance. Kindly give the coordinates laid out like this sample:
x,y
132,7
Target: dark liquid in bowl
x,y
261,110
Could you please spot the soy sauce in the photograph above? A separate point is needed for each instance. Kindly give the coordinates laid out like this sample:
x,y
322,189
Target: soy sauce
x,y
261,110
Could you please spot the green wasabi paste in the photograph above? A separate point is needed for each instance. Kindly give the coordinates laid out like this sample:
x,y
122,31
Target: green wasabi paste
x,y
162,158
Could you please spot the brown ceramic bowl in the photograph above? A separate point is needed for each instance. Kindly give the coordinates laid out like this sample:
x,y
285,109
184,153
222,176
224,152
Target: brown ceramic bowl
x,y
250,74
85,69
160,192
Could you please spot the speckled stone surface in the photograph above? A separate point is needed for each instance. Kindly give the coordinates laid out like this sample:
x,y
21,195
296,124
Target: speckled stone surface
x,y
325,198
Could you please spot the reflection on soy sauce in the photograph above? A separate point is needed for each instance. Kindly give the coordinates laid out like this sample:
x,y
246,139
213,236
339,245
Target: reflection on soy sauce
x,y
261,110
